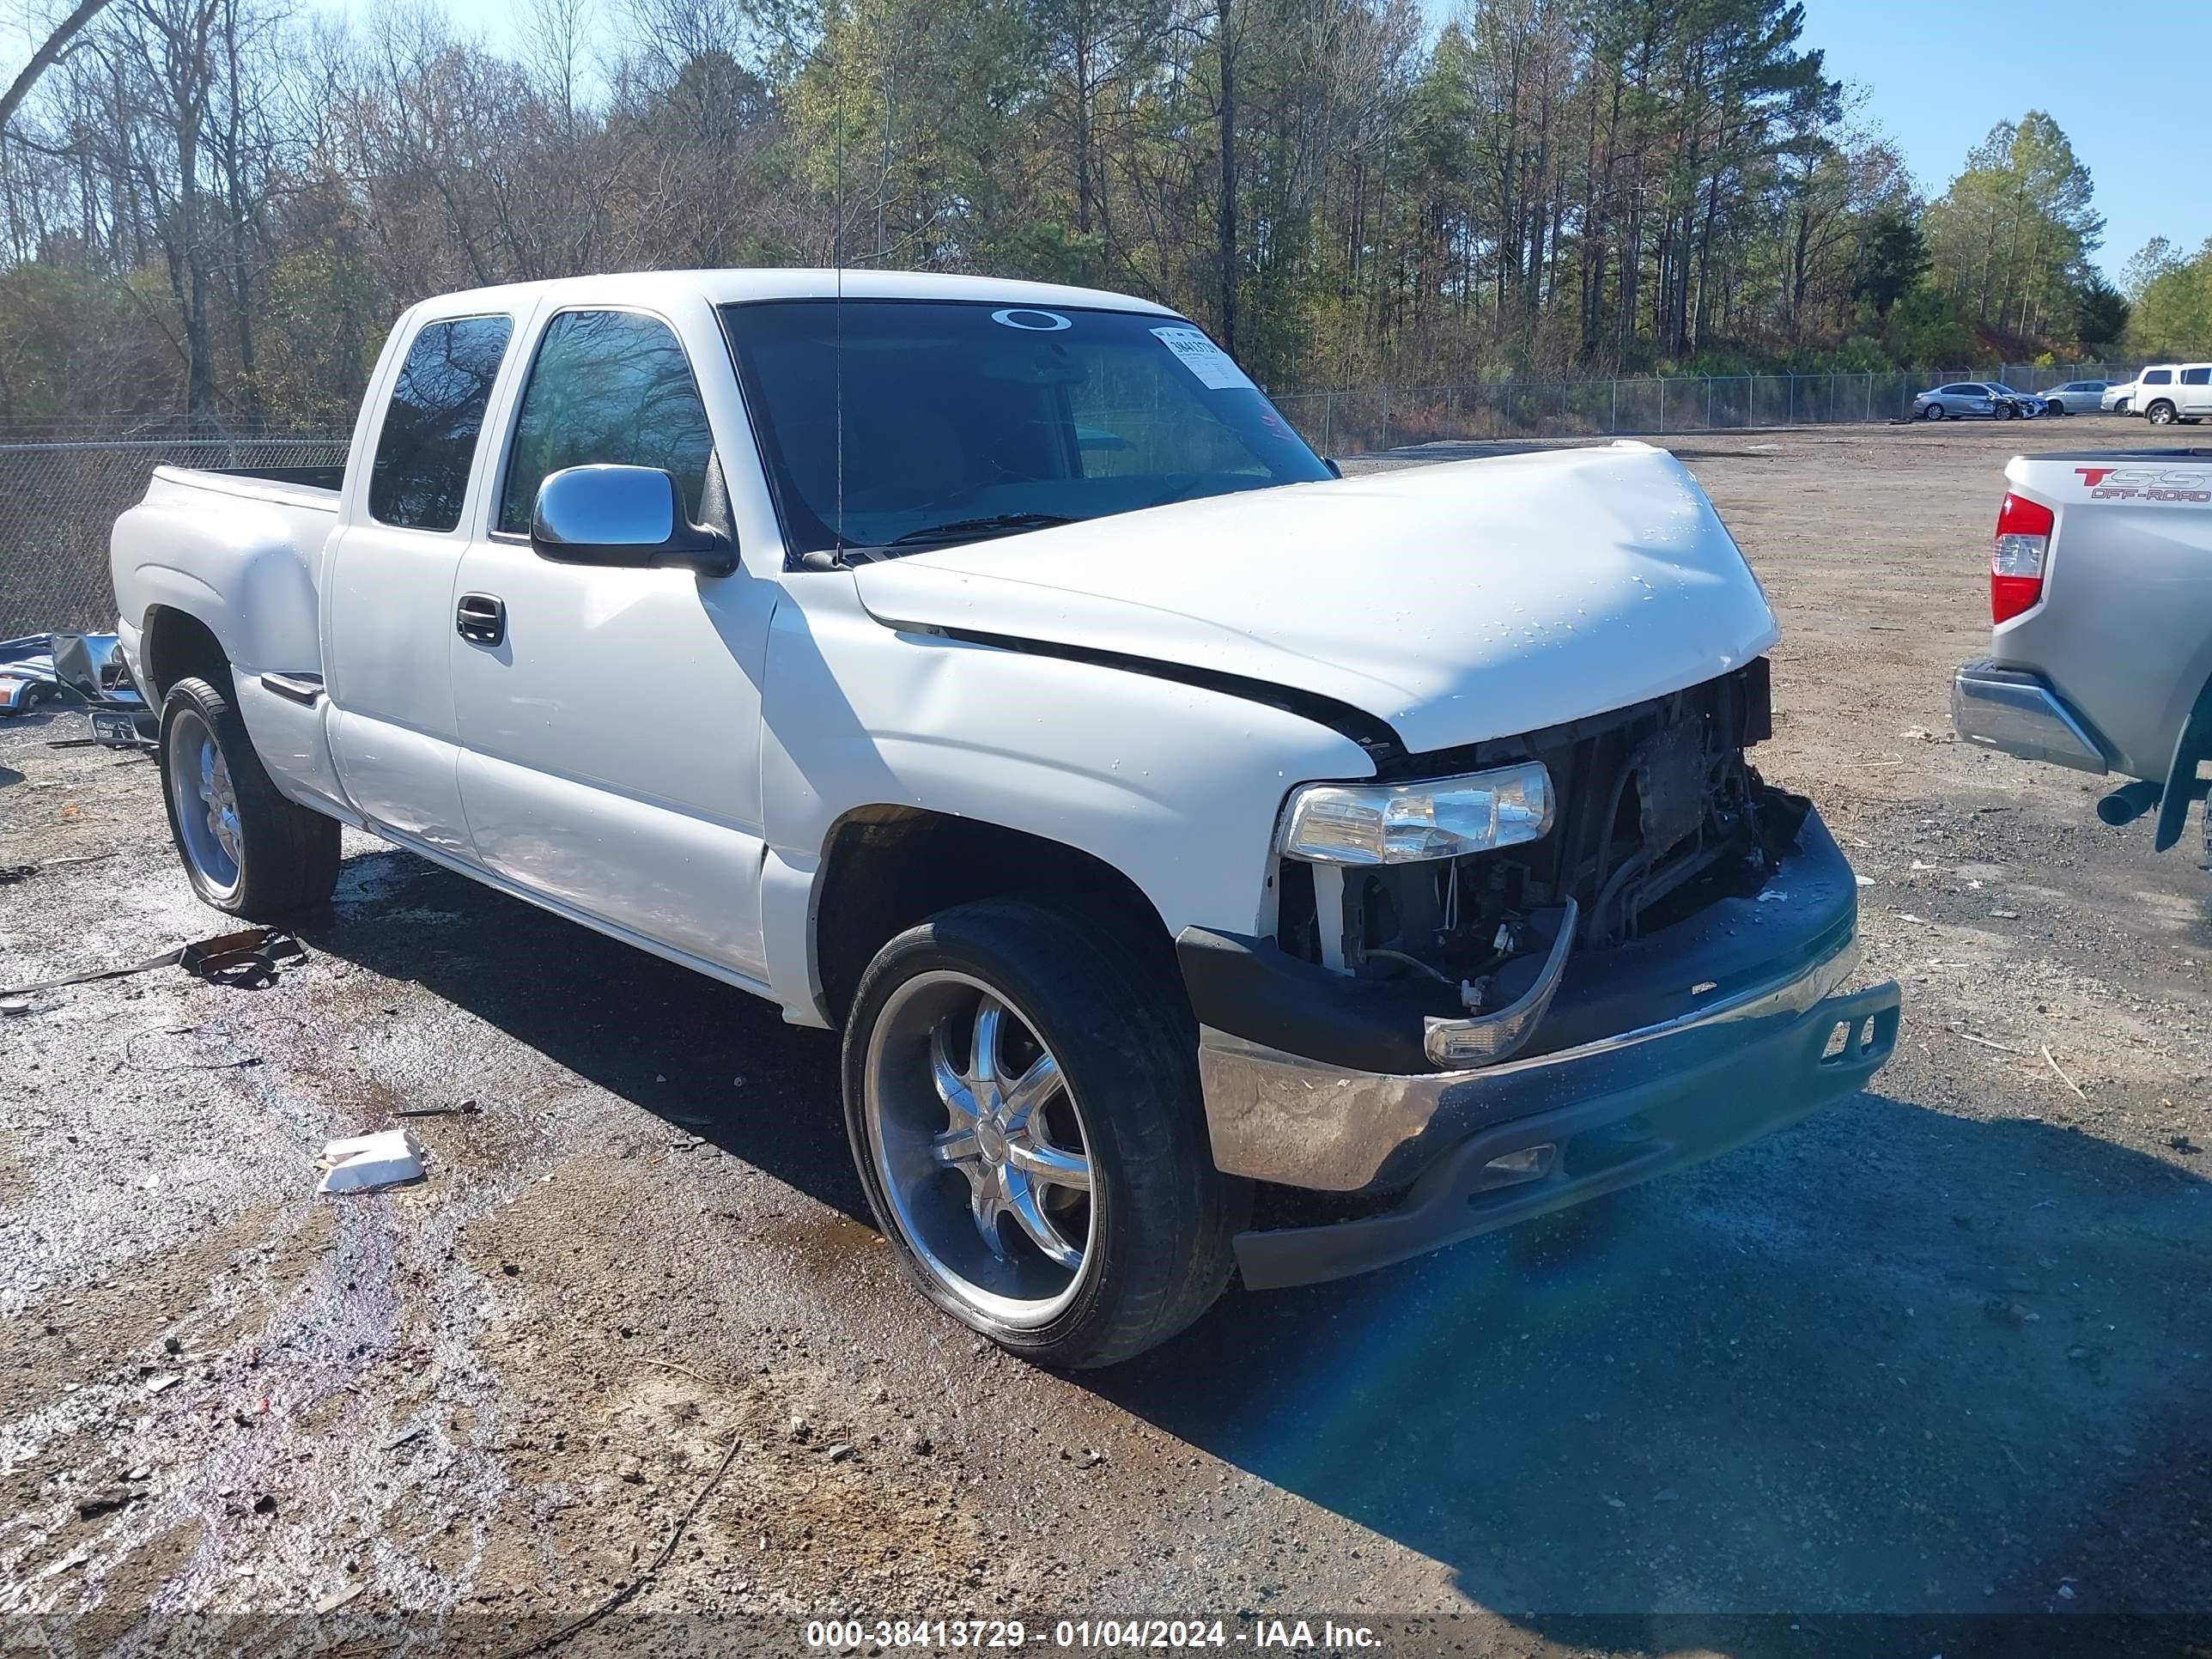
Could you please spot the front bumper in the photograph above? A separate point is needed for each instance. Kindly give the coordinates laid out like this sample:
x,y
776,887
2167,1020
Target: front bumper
x,y
1656,1053
1624,1112
2019,712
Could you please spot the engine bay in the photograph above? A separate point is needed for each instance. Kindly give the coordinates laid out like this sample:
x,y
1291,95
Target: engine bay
x,y
1657,815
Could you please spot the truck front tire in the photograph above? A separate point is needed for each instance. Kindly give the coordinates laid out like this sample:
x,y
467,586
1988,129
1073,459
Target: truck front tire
x,y
246,850
1023,1101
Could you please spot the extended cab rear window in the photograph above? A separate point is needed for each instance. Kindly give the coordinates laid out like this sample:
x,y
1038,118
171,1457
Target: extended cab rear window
x,y
430,426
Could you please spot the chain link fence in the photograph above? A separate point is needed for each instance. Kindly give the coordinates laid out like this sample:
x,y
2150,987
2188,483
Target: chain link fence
x,y
1371,420
60,497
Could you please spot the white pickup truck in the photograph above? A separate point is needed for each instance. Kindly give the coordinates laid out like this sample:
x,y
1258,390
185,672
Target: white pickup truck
x,y
1206,859
2100,589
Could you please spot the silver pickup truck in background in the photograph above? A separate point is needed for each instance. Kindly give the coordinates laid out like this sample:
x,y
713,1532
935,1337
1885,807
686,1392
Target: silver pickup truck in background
x,y
2100,590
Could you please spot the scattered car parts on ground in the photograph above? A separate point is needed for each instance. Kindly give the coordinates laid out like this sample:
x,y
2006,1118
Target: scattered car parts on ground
x,y
89,668
370,1162
249,957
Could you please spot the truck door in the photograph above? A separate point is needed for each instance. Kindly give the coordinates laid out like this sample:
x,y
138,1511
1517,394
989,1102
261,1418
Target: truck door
x,y
388,593
609,720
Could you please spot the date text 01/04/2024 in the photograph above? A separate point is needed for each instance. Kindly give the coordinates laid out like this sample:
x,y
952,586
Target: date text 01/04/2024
x,y
1082,1635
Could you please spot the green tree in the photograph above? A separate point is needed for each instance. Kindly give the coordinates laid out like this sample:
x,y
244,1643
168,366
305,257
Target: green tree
x,y
1928,329
2010,240
1893,257
2172,313
2100,316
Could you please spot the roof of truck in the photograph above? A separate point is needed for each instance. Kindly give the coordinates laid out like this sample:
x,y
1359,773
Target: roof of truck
x,y
735,286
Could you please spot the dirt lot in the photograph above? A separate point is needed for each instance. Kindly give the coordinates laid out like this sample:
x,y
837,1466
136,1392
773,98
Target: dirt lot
x,y
1941,1349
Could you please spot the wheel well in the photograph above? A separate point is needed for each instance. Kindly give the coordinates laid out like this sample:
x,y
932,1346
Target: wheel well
x,y
887,867
177,645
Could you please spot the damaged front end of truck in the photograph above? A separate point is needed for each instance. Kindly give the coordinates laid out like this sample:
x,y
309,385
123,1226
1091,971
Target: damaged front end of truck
x,y
1505,978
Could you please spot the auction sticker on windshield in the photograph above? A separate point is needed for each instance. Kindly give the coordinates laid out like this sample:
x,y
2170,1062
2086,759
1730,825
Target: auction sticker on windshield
x,y
1215,369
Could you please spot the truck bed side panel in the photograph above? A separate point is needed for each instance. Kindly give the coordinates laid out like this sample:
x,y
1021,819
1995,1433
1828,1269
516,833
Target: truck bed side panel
x,y
242,557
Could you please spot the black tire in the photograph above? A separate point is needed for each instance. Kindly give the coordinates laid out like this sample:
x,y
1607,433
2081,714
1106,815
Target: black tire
x,y
1933,412
2004,412
2121,407
2159,413
1157,1251
287,857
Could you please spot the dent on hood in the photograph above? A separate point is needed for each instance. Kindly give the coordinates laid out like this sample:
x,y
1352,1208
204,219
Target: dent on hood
x,y
1451,604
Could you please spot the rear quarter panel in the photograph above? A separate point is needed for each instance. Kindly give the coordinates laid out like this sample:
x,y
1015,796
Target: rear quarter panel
x,y
2124,626
239,560
243,560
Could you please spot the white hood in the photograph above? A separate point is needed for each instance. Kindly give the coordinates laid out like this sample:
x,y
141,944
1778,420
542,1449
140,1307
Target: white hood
x,y
1480,599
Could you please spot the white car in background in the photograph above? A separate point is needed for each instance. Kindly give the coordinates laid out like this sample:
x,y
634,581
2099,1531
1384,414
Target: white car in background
x,y
2119,395
2176,392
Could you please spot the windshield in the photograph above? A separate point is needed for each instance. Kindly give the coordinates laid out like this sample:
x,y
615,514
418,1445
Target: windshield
x,y
967,420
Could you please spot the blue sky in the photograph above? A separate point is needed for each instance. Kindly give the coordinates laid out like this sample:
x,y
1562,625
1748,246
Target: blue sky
x,y
2124,78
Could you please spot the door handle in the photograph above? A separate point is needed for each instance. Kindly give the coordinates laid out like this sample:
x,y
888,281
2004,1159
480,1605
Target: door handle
x,y
481,619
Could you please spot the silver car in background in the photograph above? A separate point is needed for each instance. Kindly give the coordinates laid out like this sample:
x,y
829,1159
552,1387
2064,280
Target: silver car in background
x,y
1971,400
2076,397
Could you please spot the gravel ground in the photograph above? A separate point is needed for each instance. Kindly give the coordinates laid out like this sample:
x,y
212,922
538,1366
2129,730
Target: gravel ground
x,y
1939,1350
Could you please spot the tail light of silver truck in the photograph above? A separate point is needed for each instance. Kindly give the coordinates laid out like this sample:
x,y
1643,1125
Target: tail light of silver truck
x,y
2016,557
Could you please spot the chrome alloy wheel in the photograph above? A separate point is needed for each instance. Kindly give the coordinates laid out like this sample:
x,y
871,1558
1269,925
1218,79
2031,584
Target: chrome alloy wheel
x,y
207,805
980,1146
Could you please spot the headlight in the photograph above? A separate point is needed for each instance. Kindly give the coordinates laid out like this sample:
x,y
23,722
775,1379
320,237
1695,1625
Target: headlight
x,y
1401,823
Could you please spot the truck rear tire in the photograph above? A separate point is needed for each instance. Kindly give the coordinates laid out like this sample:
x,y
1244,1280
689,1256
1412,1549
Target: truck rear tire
x,y
246,850
2159,413
1023,1100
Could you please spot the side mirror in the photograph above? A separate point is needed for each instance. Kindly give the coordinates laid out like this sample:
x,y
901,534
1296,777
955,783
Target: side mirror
x,y
631,517
1334,471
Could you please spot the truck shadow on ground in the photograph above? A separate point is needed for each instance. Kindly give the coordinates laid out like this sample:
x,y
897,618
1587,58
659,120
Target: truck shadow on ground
x,y
662,1037
1894,1358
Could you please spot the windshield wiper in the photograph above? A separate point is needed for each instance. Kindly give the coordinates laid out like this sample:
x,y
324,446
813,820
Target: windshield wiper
x,y
995,524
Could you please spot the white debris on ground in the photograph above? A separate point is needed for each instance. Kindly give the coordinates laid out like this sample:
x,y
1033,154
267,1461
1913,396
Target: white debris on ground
x,y
361,1164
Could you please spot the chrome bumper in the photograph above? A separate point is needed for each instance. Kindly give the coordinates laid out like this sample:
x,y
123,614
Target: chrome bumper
x,y
2017,711
1281,1117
